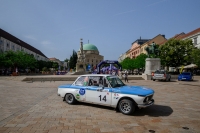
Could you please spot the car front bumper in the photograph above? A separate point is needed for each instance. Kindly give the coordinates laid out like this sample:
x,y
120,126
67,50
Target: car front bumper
x,y
151,102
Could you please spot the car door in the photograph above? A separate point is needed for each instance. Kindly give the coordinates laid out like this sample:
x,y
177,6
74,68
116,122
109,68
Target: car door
x,y
80,87
96,93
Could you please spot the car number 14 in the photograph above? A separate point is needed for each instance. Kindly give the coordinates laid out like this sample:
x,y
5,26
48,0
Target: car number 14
x,y
104,98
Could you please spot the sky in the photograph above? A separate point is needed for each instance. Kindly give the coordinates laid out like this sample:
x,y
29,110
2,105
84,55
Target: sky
x,y
55,26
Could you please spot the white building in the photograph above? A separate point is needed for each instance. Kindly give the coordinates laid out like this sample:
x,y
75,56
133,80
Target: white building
x,y
195,36
9,42
122,57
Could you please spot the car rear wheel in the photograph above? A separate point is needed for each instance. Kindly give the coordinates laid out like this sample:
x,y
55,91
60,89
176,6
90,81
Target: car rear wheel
x,y
126,106
69,98
153,79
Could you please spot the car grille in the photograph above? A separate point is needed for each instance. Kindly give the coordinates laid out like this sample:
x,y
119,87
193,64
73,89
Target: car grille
x,y
148,98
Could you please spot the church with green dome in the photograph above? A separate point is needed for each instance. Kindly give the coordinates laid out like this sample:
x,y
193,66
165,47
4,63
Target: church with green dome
x,y
91,55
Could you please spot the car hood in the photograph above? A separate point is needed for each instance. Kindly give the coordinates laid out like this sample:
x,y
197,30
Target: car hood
x,y
136,90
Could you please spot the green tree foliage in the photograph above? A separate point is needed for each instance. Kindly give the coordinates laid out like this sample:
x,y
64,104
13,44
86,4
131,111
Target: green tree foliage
x,y
137,63
55,65
175,53
196,56
66,60
17,59
40,64
22,60
140,61
128,64
73,60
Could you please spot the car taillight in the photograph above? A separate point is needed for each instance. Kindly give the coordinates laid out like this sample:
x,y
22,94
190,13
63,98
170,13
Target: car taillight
x,y
164,75
152,74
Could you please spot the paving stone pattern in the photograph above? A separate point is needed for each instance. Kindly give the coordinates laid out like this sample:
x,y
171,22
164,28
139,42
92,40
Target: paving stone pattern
x,y
36,108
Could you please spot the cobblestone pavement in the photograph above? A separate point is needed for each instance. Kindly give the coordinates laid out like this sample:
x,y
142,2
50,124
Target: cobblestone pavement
x,y
27,107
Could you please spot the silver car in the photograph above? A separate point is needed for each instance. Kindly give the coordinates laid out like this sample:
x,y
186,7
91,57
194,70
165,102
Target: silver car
x,y
161,75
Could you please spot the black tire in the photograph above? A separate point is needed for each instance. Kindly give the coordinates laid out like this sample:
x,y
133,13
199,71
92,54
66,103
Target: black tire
x,y
169,79
126,106
70,99
153,79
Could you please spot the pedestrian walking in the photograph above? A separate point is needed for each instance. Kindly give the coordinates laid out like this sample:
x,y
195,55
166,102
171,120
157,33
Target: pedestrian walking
x,y
126,76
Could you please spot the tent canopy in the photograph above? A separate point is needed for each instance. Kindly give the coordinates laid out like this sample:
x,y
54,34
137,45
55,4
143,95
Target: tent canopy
x,y
190,66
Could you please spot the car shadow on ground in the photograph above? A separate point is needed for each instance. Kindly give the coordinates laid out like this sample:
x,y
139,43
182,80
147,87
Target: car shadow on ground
x,y
94,105
172,80
188,81
153,111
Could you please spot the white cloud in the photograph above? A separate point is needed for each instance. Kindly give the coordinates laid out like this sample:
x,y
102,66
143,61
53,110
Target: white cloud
x,y
48,45
45,43
30,37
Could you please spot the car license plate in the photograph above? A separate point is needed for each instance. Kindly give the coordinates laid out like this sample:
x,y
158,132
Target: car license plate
x,y
183,78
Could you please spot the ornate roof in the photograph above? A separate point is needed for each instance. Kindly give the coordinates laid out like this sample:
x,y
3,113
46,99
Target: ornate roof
x,y
90,47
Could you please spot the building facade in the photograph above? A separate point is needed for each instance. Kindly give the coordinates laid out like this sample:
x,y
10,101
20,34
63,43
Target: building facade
x,y
134,51
9,42
122,57
91,54
194,36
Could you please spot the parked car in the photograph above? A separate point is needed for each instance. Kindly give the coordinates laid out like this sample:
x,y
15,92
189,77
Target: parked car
x,y
107,90
185,76
161,75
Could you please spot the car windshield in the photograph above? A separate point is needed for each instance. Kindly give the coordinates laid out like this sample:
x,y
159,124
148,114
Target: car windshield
x,y
115,81
159,72
185,73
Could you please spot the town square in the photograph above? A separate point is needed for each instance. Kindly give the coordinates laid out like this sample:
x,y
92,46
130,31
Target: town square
x,y
35,107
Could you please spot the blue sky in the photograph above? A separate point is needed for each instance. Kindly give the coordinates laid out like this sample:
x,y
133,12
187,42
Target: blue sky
x,y
56,26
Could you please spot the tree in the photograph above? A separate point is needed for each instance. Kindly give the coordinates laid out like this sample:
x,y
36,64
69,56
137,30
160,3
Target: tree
x,y
17,59
66,60
175,53
140,61
55,65
128,64
73,60
195,56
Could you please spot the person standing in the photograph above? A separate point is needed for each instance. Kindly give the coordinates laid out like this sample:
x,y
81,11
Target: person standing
x,y
126,76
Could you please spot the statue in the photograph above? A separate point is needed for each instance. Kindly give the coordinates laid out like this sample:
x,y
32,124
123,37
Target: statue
x,y
151,63
81,65
81,57
152,49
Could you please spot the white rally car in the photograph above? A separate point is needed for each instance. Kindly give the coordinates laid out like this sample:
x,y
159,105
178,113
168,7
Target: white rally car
x,y
107,90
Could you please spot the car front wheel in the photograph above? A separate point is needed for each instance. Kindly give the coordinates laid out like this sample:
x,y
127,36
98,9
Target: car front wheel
x,y
69,98
126,106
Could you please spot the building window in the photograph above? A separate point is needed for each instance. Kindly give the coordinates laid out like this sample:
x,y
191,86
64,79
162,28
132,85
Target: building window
x,y
195,41
7,44
13,47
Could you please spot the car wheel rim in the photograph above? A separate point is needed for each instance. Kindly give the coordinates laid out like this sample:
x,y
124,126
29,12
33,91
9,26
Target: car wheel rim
x,y
69,98
125,107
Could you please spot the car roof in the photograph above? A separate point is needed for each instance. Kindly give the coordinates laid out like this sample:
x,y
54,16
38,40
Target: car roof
x,y
105,75
185,72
